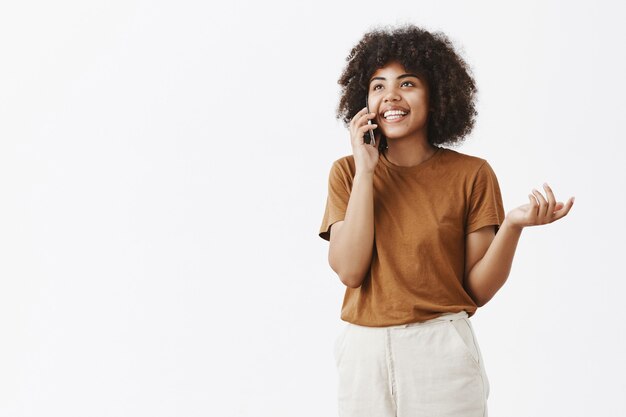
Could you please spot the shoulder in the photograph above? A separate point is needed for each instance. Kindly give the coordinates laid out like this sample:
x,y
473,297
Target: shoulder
x,y
462,162
344,166
459,158
345,162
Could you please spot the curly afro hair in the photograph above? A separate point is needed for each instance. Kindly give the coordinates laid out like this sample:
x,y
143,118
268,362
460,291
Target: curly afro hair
x,y
432,55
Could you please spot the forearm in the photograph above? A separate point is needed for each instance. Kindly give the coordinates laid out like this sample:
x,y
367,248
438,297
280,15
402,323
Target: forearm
x,y
490,273
351,251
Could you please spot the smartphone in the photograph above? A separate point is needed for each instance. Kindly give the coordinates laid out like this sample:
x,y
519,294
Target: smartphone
x,y
371,140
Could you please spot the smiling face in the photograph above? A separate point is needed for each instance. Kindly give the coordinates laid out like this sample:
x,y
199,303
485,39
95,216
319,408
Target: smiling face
x,y
400,101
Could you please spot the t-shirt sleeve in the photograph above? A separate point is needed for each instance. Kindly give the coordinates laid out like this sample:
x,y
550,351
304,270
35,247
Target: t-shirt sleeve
x,y
485,206
337,200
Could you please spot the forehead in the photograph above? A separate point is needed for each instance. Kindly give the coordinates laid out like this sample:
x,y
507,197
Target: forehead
x,y
391,68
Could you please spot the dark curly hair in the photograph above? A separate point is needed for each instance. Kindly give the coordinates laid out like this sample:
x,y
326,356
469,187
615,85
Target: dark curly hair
x,y
432,55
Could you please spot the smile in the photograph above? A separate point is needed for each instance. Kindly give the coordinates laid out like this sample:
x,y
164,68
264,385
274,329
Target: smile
x,y
393,116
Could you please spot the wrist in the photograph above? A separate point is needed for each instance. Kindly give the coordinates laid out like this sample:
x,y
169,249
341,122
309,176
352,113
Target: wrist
x,y
364,174
507,224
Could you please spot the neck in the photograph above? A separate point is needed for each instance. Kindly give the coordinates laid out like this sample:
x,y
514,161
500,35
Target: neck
x,y
409,153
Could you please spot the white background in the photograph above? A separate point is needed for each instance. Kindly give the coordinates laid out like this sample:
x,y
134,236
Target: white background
x,y
163,176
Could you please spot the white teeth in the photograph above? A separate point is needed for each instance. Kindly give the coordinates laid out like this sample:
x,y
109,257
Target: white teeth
x,y
393,114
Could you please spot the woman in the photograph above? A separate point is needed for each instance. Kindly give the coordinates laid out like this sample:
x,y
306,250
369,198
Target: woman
x,y
417,231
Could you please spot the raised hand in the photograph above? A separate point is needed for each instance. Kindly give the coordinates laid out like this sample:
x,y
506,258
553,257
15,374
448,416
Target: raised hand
x,y
365,155
540,210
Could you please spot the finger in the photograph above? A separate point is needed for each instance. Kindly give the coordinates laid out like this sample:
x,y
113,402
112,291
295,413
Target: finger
x,y
563,212
358,137
551,200
364,118
367,127
358,115
543,206
361,121
356,122
534,205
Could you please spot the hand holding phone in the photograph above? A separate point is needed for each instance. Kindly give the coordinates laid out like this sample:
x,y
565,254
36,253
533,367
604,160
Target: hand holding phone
x,y
372,138
365,154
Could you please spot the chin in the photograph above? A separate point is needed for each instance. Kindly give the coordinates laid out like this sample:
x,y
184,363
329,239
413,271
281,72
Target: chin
x,y
394,136
401,134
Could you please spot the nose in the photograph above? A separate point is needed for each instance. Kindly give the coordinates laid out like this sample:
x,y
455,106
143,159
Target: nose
x,y
391,95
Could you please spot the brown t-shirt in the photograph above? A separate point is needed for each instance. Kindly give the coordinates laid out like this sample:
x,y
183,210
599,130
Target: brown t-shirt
x,y
422,215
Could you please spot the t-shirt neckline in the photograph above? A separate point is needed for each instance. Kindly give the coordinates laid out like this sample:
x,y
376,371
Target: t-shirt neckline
x,y
414,168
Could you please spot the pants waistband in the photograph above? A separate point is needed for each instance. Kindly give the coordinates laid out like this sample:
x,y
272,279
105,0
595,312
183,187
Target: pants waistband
x,y
443,317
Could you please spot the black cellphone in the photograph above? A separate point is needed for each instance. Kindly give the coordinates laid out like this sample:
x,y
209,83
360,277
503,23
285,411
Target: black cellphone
x,y
371,140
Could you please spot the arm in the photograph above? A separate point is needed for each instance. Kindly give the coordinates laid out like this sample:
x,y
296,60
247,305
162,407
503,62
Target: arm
x,y
488,259
352,240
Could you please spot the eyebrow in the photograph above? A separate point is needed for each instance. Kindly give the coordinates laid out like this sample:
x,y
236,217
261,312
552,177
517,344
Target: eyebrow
x,y
398,78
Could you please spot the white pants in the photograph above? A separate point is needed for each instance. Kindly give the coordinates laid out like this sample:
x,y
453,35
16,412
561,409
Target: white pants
x,y
428,369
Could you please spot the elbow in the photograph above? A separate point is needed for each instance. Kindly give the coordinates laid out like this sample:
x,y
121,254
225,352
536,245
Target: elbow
x,y
348,279
348,275
475,298
351,282
481,301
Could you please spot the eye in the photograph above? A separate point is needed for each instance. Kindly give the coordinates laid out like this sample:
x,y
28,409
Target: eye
x,y
408,82
377,85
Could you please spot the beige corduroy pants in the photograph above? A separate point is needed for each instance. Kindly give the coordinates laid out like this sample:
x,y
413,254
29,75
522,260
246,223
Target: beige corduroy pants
x,y
428,369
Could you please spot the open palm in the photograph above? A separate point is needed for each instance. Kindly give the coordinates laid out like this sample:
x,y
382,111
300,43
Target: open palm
x,y
540,210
